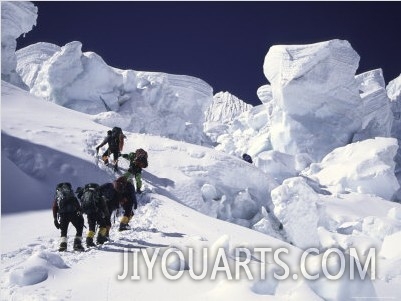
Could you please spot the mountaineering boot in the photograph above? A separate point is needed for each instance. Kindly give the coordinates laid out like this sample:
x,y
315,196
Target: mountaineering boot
x,y
101,237
63,247
124,227
130,217
124,224
78,244
105,160
63,244
89,242
89,239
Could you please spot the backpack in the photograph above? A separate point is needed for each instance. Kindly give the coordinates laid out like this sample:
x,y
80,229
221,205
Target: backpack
x,y
65,198
90,198
247,158
114,137
141,158
120,184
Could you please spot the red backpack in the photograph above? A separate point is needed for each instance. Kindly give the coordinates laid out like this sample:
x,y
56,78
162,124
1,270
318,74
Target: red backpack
x,y
141,158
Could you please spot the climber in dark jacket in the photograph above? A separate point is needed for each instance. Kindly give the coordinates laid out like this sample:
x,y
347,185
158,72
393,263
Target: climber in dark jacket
x,y
120,193
67,210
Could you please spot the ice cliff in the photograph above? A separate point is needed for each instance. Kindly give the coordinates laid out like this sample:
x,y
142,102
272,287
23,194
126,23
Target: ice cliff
x,y
17,18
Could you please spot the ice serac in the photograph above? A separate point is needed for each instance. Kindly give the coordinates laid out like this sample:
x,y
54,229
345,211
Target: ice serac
x,y
170,105
295,205
237,127
31,58
316,102
247,133
265,93
394,93
162,104
17,18
377,117
365,167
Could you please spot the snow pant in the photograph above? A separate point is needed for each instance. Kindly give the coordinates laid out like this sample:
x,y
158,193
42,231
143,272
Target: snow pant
x,y
128,213
75,218
138,181
93,219
136,172
108,153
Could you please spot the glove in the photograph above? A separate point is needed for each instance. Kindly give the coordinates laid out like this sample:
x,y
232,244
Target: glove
x,y
56,223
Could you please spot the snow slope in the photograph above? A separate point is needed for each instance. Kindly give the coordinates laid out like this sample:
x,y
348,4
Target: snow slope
x,y
44,144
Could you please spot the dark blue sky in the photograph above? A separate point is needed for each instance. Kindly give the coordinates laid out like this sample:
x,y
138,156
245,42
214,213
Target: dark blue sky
x,y
223,43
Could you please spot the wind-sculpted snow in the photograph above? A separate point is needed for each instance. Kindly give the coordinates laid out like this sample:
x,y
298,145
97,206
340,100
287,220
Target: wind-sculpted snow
x,y
316,104
17,18
377,117
145,102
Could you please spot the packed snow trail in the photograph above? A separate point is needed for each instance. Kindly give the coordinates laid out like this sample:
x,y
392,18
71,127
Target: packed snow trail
x,y
158,223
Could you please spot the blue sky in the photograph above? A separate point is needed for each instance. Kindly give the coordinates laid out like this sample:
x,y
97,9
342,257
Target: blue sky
x,y
224,43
